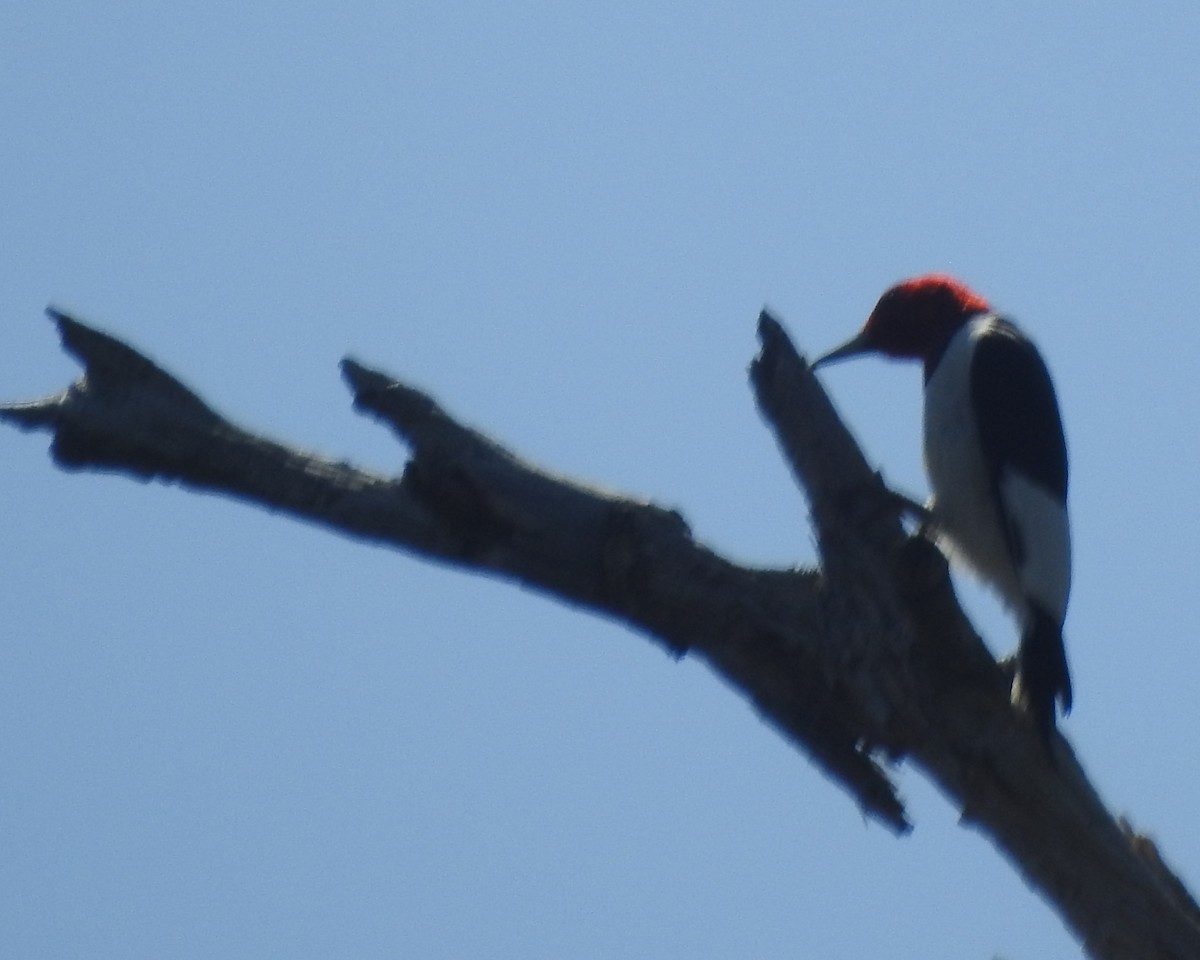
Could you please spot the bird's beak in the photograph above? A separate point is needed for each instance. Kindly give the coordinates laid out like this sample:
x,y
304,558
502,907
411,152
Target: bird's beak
x,y
858,344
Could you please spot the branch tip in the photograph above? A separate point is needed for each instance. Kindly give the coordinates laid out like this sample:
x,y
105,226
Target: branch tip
x,y
768,326
397,403
31,415
368,386
71,332
59,317
774,339
95,349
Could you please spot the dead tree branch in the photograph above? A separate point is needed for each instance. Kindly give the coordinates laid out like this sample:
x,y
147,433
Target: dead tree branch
x,y
859,664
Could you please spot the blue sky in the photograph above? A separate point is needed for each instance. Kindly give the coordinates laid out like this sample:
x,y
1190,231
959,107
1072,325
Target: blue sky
x,y
224,733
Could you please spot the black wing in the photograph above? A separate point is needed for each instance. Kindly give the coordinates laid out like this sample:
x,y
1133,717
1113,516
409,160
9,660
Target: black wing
x,y
1016,410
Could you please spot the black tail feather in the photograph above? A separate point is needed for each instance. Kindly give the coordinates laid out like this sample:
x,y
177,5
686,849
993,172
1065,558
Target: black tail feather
x,y
1042,667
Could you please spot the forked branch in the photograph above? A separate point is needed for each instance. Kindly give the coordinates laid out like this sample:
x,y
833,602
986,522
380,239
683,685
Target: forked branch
x,y
859,664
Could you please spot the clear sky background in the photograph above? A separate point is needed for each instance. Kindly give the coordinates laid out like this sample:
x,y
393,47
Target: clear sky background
x,y
228,734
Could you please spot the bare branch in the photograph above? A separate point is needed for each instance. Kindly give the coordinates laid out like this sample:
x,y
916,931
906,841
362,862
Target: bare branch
x,y
465,500
869,656
945,701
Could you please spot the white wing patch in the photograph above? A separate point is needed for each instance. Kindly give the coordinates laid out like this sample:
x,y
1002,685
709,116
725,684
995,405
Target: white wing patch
x,y
1043,531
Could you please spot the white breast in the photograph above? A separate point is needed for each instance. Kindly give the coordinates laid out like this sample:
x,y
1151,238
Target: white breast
x,y
964,502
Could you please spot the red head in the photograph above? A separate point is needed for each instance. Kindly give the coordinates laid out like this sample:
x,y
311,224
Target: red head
x,y
915,319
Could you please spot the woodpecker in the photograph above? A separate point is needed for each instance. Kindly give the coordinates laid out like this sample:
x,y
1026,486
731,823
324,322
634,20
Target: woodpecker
x,y
996,459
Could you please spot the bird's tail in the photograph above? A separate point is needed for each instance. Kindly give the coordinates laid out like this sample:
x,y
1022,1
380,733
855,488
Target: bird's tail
x,y
1042,668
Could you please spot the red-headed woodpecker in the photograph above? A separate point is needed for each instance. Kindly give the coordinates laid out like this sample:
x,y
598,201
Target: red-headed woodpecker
x,y
996,459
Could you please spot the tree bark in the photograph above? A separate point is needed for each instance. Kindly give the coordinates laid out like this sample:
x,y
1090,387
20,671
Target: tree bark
x,y
861,663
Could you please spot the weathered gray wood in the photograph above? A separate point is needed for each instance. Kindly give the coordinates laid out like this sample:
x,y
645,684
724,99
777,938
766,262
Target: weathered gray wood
x,y
864,662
